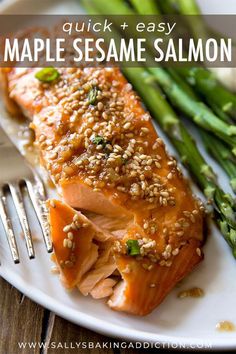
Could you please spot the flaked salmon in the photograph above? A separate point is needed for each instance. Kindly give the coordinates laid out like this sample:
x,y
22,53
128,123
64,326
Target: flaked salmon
x,y
103,153
77,247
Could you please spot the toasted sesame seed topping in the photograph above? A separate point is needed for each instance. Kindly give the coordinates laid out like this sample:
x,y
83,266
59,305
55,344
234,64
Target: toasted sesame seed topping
x,y
175,252
67,228
75,217
65,242
69,243
69,264
70,235
199,252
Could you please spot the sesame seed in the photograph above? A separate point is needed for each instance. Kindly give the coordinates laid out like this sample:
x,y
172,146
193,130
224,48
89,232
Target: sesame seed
x,y
145,226
199,252
192,218
168,263
90,120
175,252
88,181
145,130
75,217
145,266
42,138
127,125
69,264
66,228
100,106
70,235
74,225
69,243
65,242
164,194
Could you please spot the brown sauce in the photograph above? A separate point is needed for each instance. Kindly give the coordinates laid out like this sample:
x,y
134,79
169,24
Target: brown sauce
x,y
225,326
194,292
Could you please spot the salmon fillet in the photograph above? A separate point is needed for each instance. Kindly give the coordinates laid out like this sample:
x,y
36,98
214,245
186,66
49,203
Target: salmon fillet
x,y
102,151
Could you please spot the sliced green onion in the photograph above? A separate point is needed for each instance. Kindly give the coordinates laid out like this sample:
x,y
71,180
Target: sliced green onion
x,y
99,140
92,95
133,248
47,74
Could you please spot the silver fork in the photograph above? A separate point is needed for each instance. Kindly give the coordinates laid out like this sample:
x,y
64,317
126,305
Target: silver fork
x,y
12,180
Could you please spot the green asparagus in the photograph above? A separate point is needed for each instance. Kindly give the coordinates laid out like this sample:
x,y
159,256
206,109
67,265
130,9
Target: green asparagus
x,y
147,7
104,7
222,155
203,80
168,7
206,84
193,108
188,7
221,100
218,150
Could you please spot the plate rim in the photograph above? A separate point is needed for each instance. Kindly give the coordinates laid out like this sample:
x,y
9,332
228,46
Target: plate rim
x,y
113,330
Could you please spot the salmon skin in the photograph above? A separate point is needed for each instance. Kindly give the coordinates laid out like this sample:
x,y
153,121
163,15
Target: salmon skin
x,y
101,150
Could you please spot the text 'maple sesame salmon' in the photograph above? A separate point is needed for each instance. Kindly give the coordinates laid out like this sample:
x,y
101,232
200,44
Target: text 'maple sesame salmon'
x,y
101,150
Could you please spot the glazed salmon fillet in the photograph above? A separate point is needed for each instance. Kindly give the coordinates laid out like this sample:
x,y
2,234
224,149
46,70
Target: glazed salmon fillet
x,y
103,153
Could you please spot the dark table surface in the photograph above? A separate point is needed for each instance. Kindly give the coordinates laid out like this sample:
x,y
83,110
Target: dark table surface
x,y
23,321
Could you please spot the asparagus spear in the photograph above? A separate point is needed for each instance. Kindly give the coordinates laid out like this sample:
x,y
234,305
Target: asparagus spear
x,y
203,80
181,82
221,100
168,7
195,23
205,83
188,7
221,114
193,108
147,7
224,206
215,147
222,155
105,7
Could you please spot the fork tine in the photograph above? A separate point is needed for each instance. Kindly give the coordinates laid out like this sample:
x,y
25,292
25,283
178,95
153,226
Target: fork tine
x,y
41,212
8,228
20,209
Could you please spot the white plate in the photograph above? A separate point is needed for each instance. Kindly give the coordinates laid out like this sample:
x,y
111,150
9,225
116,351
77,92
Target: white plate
x,y
187,322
